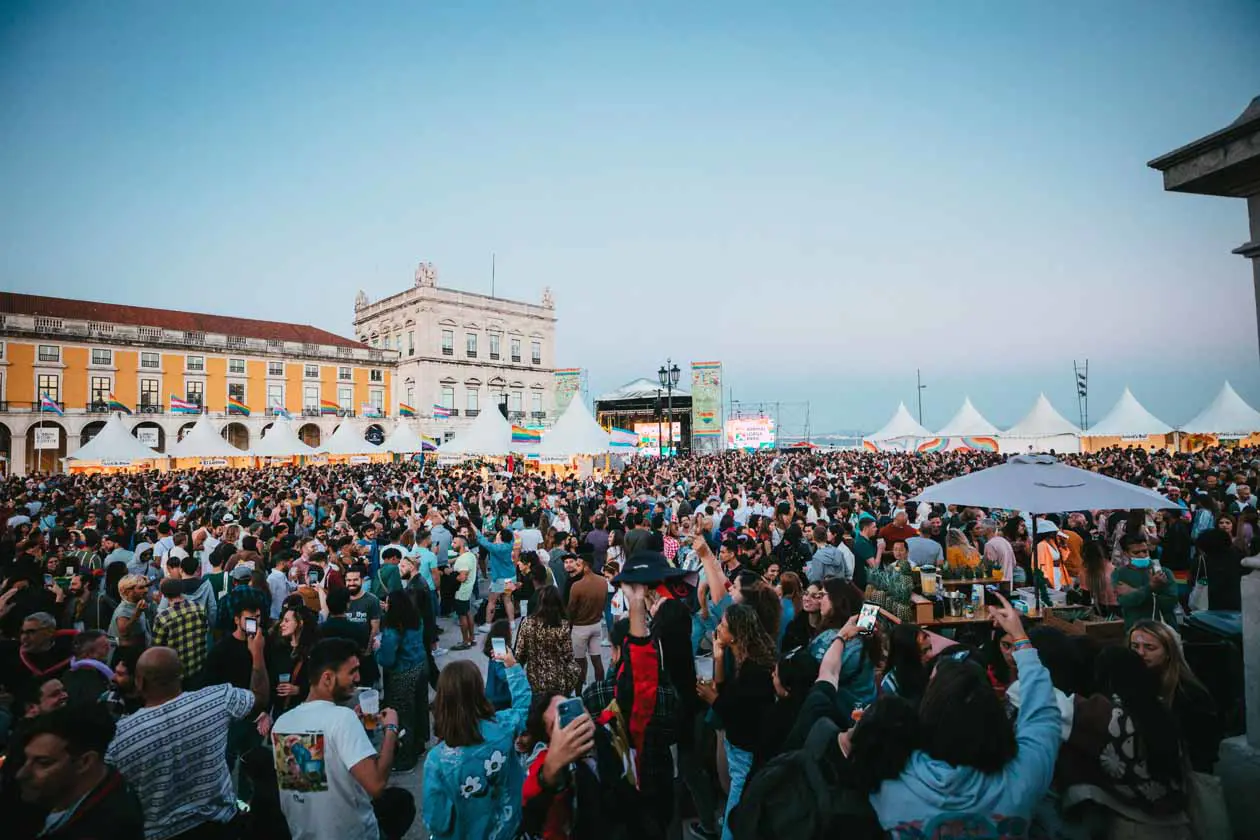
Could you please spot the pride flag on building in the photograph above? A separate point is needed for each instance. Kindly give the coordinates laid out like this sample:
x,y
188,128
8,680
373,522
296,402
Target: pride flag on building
x,y
47,403
235,406
116,404
441,411
521,434
405,410
369,410
327,407
179,406
281,411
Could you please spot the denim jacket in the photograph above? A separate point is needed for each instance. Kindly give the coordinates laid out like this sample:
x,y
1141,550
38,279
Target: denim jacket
x,y
402,652
475,790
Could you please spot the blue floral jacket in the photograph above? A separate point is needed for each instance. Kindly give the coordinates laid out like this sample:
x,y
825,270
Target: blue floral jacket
x,y
475,791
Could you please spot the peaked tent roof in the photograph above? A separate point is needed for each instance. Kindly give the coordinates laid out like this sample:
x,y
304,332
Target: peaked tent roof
x,y
902,425
641,389
280,441
1129,417
1042,421
114,442
403,439
575,433
968,422
202,441
488,434
348,439
1228,414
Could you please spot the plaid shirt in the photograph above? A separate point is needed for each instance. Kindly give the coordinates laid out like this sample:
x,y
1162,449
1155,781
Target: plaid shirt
x,y
184,627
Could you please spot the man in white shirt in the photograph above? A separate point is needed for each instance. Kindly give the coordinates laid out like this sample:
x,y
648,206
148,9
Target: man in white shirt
x,y
530,536
332,780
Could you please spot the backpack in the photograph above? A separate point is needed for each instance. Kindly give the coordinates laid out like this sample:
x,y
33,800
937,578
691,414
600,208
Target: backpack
x,y
800,795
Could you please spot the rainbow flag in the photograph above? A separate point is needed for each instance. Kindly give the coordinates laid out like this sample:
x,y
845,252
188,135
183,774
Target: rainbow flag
x,y
235,406
329,407
405,410
179,406
46,403
441,411
521,434
116,404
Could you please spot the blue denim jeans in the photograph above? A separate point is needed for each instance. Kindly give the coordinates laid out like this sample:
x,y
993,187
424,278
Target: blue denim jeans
x,y
739,762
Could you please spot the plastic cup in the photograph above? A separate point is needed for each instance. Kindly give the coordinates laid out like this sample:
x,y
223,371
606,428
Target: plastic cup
x,y
369,706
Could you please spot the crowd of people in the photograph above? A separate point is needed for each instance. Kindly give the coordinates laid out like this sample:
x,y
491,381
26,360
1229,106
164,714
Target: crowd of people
x,y
671,649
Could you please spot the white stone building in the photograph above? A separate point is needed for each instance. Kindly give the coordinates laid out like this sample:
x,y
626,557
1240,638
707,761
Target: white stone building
x,y
465,351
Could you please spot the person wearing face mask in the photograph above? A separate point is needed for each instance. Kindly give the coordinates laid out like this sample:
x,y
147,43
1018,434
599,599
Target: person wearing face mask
x,y
1142,591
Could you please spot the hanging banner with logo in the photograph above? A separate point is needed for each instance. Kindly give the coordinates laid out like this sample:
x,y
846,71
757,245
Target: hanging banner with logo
x,y
568,383
47,438
148,436
706,406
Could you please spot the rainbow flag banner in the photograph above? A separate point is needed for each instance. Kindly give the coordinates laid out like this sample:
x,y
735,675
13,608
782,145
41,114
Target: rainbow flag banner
x,y
235,406
116,404
329,407
623,438
429,443
521,434
441,411
179,406
405,410
47,403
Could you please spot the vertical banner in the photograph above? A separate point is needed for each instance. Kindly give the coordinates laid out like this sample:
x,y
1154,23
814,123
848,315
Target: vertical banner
x,y
568,383
706,406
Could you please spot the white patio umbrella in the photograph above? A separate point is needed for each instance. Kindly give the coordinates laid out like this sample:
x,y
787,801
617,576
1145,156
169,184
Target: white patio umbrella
x,y
1038,484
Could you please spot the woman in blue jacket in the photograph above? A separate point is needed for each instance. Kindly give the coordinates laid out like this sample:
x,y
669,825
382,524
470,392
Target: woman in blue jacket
x,y
472,780
972,774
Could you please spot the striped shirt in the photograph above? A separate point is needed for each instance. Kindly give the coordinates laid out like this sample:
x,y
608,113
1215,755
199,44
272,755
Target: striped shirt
x,y
174,756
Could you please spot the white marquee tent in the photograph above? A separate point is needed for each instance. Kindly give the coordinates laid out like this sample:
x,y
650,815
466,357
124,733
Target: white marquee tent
x,y
1129,418
489,434
280,441
403,439
114,445
1041,430
902,433
202,441
968,422
1227,415
575,433
348,439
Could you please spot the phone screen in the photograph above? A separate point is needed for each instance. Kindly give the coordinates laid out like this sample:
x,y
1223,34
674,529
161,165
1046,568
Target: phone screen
x,y
866,619
251,626
48,580
312,577
498,646
568,711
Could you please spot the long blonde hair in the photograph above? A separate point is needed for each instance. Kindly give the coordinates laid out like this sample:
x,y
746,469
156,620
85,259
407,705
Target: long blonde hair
x,y
1176,671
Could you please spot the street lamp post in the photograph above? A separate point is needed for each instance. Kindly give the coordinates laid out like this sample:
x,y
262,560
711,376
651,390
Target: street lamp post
x,y
668,377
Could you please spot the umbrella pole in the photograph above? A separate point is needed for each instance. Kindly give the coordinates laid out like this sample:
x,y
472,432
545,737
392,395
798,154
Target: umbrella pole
x,y
1036,567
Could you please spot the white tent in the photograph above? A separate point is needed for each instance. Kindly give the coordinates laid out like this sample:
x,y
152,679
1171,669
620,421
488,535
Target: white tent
x,y
348,439
202,441
901,433
575,433
1227,415
1129,418
403,439
489,434
280,441
114,445
1041,430
968,422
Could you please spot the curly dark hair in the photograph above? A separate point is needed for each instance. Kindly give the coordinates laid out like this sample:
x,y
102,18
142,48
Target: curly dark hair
x,y
745,628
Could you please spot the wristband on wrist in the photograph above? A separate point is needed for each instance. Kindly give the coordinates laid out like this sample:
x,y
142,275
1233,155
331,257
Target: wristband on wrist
x,y
391,727
1021,644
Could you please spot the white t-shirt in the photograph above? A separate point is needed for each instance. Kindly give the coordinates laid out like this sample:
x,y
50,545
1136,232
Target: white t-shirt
x,y
313,747
531,538
174,756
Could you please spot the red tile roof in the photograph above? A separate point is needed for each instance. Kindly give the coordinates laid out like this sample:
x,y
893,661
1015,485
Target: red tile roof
x,y
116,313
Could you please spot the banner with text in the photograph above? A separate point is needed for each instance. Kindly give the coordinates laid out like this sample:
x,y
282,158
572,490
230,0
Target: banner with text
x,y
706,406
47,437
568,383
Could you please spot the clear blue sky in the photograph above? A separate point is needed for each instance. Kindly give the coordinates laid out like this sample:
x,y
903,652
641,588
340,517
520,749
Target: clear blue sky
x,y
824,196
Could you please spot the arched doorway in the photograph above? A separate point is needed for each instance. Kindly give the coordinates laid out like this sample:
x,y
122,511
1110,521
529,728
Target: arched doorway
x,y
309,434
237,435
90,431
374,434
151,435
48,457
184,430
6,449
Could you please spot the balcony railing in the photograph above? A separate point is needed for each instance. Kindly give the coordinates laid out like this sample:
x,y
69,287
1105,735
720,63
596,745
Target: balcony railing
x,y
35,406
472,354
150,408
448,351
516,415
310,412
537,360
516,359
98,408
494,357
539,415
471,412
